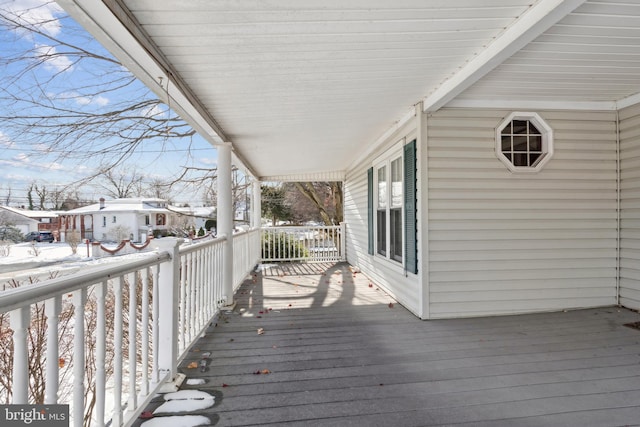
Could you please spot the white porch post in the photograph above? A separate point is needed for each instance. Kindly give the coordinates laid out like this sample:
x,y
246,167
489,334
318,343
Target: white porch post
x,y
225,219
256,204
166,349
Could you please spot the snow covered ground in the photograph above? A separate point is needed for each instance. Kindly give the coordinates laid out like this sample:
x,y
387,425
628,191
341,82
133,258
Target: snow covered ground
x,y
22,261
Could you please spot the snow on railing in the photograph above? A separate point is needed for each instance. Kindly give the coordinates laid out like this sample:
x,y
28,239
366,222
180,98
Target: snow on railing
x,y
172,295
300,243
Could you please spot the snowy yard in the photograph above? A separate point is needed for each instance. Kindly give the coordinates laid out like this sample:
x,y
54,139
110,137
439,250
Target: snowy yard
x,y
22,260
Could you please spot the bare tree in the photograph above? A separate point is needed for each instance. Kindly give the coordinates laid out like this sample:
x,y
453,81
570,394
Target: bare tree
x,y
42,194
56,198
121,184
67,96
326,197
7,195
207,180
159,188
30,197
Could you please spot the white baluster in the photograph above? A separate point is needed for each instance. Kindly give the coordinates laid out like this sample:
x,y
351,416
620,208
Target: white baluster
x,y
19,323
133,320
79,298
101,351
52,311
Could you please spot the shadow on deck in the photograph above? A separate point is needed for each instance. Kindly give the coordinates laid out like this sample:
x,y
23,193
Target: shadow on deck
x,y
316,345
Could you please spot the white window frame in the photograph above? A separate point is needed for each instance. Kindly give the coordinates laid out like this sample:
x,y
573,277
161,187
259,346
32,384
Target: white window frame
x,y
547,141
385,160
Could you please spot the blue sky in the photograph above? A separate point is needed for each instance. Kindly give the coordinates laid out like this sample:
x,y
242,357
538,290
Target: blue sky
x,y
24,159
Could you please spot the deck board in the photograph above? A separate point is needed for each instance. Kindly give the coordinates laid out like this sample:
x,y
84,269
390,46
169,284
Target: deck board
x,y
339,355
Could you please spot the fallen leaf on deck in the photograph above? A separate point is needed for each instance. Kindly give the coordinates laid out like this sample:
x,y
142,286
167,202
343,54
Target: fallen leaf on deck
x,y
192,365
390,305
265,372
371,285
225,385
260,331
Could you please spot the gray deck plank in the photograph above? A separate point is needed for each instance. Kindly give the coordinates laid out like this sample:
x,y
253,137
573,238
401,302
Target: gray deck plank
x,y
339,355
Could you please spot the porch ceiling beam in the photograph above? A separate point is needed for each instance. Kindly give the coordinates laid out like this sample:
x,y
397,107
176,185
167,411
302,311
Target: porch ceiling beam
x,y
542,16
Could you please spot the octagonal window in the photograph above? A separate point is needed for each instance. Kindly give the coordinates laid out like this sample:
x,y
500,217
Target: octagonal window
x,y
524,142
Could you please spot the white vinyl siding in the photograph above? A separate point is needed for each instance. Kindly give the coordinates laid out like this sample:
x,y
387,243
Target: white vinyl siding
x,y
630,207
387,274
502,243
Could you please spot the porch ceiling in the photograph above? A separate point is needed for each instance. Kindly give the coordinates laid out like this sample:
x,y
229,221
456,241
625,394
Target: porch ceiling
x,y
302,89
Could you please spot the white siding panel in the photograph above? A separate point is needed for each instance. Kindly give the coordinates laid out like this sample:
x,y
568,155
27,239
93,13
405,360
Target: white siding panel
x,y
387,274
630,207
503,243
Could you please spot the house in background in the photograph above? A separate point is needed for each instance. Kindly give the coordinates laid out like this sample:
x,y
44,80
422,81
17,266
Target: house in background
x,y
195,218
489,150
114,220
27,221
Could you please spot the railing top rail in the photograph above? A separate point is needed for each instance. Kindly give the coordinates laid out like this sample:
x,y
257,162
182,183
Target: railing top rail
x,y
302,227
184,249
23,296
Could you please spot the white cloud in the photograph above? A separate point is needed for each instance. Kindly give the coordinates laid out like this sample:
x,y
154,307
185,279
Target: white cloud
x,y
23,161
55,166
38,13
21,158
79,99
6,142
208,161
52,60
95,100
153,111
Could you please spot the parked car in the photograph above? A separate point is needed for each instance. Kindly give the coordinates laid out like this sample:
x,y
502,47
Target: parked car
x,y
39,236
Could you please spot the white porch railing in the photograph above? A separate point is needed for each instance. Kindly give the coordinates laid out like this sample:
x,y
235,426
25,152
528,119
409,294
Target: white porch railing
x,y
129,325
299,243
246,254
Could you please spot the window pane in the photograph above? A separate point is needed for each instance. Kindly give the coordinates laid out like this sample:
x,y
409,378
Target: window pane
x,y
519,127
381,239
520,160
520,143
506,143
533,158
396,234
507,129
533,130
535,143
382,187
396,182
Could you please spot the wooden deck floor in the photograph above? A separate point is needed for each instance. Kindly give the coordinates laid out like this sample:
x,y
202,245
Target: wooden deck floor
x,y
316,346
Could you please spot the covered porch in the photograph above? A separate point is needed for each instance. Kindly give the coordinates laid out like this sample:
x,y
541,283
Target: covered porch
x,y
417,108
316,345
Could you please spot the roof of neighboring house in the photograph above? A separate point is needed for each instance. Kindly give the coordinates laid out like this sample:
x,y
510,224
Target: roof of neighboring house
x,y
201,212
152,205
34,215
